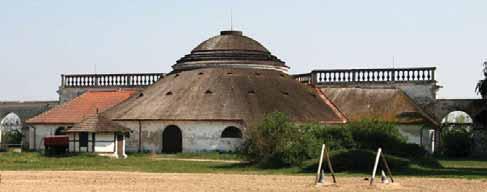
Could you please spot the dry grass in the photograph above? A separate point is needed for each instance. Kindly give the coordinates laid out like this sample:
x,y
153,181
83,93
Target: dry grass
x,y
136,181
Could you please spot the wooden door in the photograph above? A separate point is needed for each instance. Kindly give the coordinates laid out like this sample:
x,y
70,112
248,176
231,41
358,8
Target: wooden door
x,y
172,140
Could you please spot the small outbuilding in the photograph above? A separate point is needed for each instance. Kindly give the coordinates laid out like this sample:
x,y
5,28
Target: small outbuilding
x,y
81,116
98,135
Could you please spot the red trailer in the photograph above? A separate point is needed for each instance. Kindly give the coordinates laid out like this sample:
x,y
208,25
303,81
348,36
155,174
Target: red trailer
x,y
58,144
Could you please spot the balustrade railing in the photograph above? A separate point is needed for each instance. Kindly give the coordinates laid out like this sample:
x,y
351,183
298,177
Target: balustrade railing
x,y
367,75
110,80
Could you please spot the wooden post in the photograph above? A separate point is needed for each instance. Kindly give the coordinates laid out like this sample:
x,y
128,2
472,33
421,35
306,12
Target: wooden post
x,y
375,166
318,173
387,168
329,164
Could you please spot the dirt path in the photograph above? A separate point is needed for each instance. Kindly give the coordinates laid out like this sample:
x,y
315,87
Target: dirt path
x,y
129,181
199,160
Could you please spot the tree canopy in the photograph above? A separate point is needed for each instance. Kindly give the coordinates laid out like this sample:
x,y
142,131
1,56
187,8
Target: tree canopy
x,y
482,84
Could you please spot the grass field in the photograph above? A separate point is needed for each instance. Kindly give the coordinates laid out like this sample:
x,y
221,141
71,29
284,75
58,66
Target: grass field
x,y
452,168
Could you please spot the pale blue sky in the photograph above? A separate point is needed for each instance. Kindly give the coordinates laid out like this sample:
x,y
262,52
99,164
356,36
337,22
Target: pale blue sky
x,y
39,40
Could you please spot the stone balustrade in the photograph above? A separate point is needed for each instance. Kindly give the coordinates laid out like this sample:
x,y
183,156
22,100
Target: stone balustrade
x,y
367,75
110,80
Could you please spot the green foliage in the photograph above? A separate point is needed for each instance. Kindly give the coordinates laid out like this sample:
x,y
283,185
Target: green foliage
x,y
408,150
372,134
358,160
277,142
335,137
12,137
482,84
456,142
363,160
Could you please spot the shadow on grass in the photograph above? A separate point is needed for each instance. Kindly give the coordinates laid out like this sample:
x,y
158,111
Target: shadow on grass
x,y
414,170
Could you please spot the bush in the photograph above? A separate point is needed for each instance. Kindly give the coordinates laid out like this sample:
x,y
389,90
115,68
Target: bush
x,y
12,137
277,142
335,137
456,143
408,150
363,160
360,160
372,134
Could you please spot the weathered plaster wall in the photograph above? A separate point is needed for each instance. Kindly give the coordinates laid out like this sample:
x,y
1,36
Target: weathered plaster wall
x,y
196,135
472,107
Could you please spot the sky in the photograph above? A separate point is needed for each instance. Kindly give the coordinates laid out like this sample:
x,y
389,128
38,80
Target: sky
x,y
40,40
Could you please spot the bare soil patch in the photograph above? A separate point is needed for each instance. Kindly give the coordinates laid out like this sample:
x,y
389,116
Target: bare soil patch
x,y
134,181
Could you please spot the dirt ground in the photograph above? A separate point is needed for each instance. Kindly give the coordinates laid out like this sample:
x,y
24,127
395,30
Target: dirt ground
x,y
131,181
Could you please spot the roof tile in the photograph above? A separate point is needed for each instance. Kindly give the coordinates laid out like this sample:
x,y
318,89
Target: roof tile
x,y
83,106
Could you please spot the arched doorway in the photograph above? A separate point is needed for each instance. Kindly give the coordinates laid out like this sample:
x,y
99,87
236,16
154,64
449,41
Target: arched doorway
x,y
172,140
457,120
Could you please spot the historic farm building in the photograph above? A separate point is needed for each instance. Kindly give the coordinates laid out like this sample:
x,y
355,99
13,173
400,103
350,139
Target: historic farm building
x,y
226,85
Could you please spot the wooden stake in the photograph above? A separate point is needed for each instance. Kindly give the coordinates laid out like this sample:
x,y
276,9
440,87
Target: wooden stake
x,y
329,164
375,166
387,168
318,173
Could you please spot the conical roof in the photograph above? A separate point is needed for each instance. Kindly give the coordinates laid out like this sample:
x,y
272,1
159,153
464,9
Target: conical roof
x,y
227,94
230,49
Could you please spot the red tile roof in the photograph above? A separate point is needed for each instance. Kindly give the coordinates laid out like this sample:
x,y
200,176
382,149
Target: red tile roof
x,y
87,104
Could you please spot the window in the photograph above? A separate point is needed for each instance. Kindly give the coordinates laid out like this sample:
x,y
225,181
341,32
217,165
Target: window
x,y
231,132
83,139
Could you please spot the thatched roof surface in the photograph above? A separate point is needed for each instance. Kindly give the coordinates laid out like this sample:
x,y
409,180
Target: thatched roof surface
x,y
230,49
98,124
230,40
227,94
387,104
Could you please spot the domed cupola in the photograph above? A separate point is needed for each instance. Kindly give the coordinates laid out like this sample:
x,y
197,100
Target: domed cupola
x,y
230,49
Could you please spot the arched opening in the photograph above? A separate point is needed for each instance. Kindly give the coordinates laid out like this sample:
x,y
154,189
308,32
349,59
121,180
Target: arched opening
x,y
456,134
457,120
11,130
11,122
60,131
231,132
172,140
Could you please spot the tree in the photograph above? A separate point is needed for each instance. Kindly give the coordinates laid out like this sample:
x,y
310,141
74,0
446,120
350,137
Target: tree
x,y
482,84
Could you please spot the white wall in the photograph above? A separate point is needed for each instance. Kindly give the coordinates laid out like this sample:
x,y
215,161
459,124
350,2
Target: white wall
x,y
38,132
104,142
197,135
